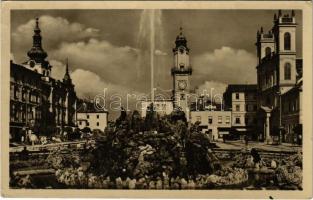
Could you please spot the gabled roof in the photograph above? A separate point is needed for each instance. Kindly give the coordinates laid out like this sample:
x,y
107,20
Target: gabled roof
x,y
89,107
241,88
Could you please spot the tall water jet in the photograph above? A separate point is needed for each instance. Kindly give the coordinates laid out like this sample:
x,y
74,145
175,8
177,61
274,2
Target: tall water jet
x,y
150,30
152,50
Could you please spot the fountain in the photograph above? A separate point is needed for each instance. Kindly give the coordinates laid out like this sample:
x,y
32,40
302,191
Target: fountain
x,y
150,23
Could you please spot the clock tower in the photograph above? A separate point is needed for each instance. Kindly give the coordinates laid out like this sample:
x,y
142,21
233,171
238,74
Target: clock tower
x,y
181,73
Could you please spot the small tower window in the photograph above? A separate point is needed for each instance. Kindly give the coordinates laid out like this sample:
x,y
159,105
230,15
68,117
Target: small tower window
x,y
287,41
287,71
268,51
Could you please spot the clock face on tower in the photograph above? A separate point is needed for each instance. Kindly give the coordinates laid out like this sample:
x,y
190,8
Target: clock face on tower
x,y
182,84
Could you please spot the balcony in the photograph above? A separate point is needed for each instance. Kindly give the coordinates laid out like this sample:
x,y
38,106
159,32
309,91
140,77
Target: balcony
x,y
184,70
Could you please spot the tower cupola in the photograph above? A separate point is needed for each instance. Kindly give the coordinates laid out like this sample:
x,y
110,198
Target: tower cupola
x,y
37,53
181,40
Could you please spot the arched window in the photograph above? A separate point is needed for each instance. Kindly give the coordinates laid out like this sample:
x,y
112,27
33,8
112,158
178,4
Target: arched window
x,y
268,51
287,40
287,71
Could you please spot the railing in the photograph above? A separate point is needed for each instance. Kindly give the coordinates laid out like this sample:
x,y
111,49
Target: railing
x,y
176,70
286,19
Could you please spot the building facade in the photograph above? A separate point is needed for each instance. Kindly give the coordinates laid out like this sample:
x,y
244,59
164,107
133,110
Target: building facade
x,y
292,114
241,100
89,116
276,73
213,122
162,107
38,103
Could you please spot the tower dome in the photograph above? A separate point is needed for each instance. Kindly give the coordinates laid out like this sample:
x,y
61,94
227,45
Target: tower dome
x,y
36,52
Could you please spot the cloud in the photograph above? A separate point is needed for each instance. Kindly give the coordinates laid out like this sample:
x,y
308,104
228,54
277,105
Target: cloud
x,y
114,64
115,95
158,52
226,65
54,31
58,69
211,89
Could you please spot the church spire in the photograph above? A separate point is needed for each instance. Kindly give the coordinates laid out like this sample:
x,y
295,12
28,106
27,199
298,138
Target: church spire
x,y
36,52
67,77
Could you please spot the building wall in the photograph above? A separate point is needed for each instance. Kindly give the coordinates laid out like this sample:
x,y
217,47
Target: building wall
x,y
212,120
244,107
291,113
36,102
97,120
162,107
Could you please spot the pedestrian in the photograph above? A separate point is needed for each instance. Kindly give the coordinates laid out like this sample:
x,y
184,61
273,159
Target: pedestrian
x,y
246,140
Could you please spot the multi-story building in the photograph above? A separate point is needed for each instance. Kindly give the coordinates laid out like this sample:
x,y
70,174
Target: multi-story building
x,y
88,115
215,123
39,103
241,100
291,115
276,73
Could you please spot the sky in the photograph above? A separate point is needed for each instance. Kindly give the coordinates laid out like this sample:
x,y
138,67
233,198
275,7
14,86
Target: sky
x,y
110,48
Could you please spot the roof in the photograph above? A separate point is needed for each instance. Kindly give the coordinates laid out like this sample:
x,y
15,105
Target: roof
x,y
241,88
90,107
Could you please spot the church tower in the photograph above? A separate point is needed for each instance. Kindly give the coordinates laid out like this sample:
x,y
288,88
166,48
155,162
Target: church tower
x,y
181,73
284,30
37,55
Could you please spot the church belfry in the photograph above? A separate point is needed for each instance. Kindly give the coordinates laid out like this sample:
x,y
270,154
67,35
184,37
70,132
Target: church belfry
x,y
181,73
37,55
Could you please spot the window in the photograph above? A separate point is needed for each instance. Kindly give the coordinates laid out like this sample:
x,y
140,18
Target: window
x,y
210,120
182,97
268,51
219,119
287,40
227,120
198,119
246,120
80,123
237,120
87,116
287,71
97,123
87,123
97,116
237,95
237,107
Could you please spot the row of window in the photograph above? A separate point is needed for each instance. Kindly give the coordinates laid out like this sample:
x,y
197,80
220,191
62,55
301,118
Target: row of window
x,y
31,97
87,123
248,108
219,119
287,44
88,116
290,106
247,96
270,80
248,120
